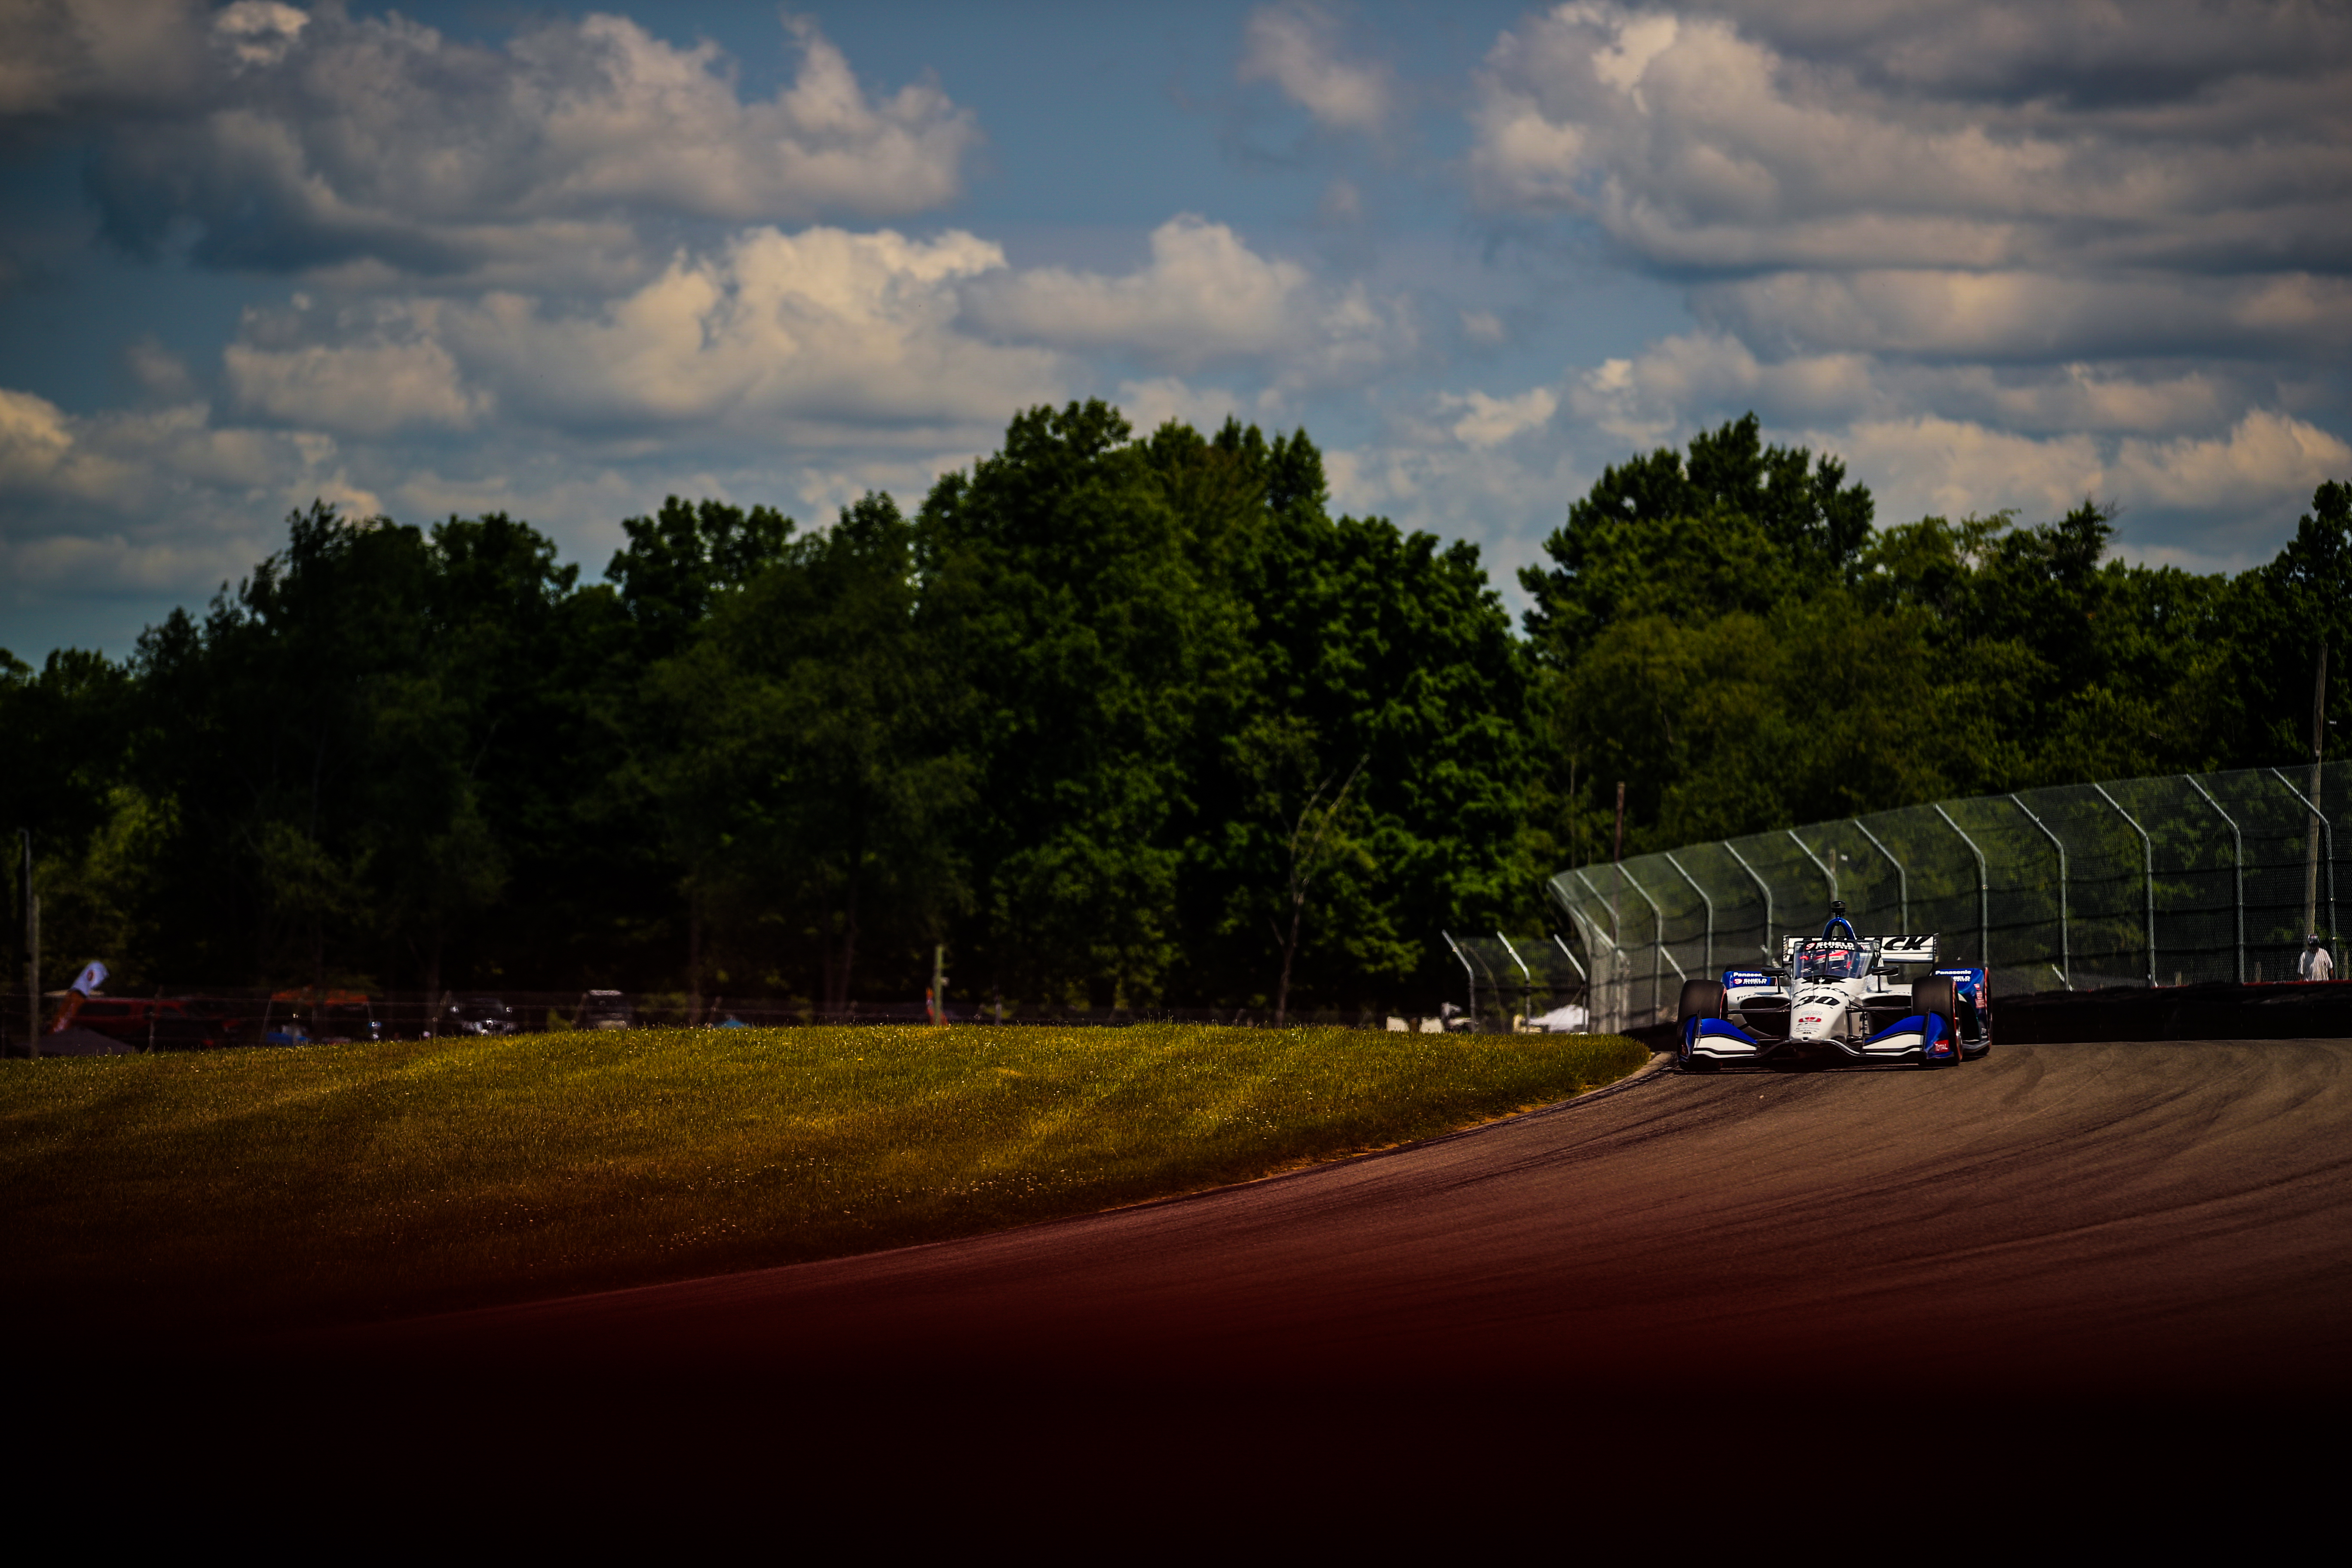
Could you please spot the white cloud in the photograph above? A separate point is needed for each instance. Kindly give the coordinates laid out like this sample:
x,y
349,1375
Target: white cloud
x,y
383,383
2217,491
2034,316
1205,296
1642,400
77,55
380,145
823,335
159,371
2266,460
258,32
160,499
1691,142
1491,421
1927,464
1152,403
2088,55
1296,46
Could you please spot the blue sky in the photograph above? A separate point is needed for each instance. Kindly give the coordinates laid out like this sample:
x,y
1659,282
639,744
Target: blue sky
x,y
561,262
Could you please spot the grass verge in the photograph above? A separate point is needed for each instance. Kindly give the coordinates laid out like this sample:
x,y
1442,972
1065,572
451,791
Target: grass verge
x,y
252,1189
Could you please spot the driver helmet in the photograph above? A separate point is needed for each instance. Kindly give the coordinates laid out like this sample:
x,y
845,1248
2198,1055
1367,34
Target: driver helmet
x,y
2311,940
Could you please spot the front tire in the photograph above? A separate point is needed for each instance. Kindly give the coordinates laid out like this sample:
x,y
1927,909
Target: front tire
x,y
1700,999
1937,997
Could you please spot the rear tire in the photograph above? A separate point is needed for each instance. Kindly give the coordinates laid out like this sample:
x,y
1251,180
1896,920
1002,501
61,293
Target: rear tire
x,y
1936,996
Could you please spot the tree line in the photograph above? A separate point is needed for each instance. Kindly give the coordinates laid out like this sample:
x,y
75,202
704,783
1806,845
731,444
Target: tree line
x,y
1118,720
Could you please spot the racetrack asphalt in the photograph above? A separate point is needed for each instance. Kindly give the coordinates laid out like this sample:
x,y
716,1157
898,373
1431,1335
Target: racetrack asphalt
x,y
2052,1224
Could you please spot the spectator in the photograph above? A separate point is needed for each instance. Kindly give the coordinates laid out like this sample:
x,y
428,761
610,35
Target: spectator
x,y
2315,964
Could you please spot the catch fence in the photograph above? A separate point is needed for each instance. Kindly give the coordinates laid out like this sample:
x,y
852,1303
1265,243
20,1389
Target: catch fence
x,y
2131,882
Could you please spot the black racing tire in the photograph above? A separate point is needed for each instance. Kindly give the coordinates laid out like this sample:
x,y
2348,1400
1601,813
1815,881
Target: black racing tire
x,y
1700,1064
1701,999
1938,996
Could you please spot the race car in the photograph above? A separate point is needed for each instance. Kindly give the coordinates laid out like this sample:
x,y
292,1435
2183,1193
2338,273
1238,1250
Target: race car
x,y
1839,997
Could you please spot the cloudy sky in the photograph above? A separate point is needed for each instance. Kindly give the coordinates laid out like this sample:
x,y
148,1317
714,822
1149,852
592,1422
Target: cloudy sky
x,y
471,256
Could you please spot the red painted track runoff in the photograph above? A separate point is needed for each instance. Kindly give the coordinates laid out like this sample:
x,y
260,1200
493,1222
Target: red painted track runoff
x,y
2052,1224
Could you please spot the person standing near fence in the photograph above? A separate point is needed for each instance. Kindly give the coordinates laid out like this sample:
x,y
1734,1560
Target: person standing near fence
x,y
2315,964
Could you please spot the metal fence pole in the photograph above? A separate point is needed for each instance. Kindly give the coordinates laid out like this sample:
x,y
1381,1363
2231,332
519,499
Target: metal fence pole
x,y
2236,864
1528,986
1657,941
2065,952
2148,847
1902,878
1566,952
2328,834
1984,893
1766,888
1466,970
1616,951
1827,870
1710,909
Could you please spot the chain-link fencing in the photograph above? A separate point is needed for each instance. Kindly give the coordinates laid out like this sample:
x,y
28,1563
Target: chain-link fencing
x,y
1519,983
2133,882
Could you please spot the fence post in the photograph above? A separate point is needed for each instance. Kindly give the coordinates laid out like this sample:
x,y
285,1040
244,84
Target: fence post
x,y
1902,878
1470,972
1570,954
1657,941
1984,892
1617,982
2236,864
1827,870
2065,952
2329,833
1766,888
1710,909
1527,986
2148,847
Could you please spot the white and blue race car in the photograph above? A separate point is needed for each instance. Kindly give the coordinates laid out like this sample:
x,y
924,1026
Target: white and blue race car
x,y
1839,997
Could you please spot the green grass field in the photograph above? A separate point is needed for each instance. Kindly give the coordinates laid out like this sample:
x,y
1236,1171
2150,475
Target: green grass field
x,y
249,1189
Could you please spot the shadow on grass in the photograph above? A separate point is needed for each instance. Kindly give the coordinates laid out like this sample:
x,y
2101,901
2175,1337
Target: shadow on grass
x,y
256,1189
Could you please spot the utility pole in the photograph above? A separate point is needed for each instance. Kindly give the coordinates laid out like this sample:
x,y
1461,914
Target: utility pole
x,y
2318,745
938,983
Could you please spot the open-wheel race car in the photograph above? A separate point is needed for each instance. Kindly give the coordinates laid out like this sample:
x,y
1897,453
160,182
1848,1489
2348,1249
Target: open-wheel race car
x,y
1839,997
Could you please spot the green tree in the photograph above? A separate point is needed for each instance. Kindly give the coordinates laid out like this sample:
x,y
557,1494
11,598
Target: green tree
x,y
1057,576
821,755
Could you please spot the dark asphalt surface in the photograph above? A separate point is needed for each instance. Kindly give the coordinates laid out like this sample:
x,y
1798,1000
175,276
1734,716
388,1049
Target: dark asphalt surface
x,y
2053,1224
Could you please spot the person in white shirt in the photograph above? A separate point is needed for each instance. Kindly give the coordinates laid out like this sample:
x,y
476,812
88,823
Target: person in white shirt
x,y
2316,964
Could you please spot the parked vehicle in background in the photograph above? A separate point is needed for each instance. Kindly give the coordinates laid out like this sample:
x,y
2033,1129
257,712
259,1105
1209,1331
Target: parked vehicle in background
x,y
236,1022
604,1010
478,1015
153,1022
340,1018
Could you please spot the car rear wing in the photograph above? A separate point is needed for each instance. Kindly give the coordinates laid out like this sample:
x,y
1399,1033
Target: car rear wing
x,y
1882,949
